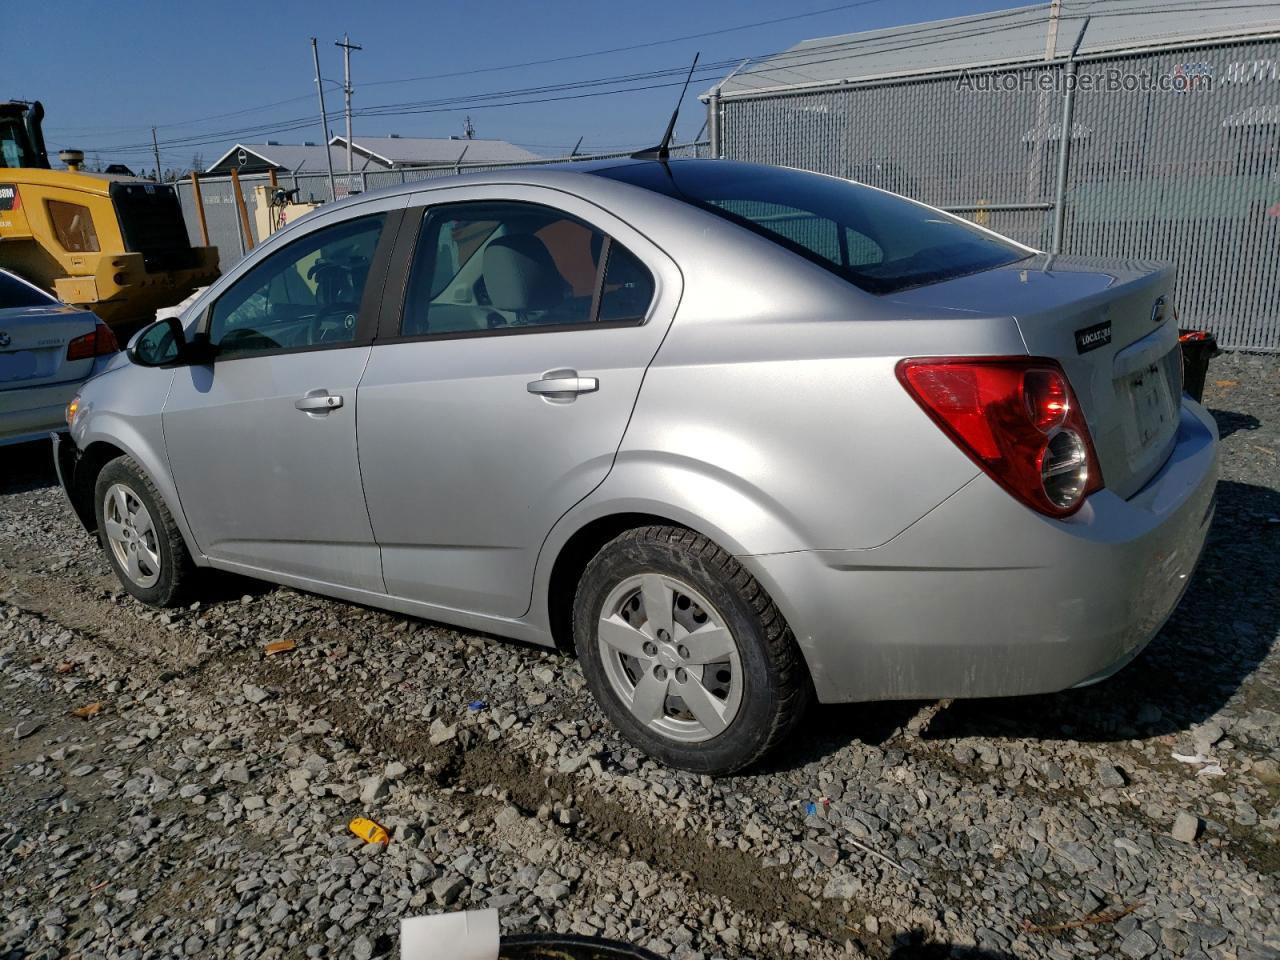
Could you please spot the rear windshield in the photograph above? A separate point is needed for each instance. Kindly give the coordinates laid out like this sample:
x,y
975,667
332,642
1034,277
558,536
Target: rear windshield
x,y
875,240
15,293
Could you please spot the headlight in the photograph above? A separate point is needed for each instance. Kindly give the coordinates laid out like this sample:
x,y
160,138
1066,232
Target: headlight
x,y
73,408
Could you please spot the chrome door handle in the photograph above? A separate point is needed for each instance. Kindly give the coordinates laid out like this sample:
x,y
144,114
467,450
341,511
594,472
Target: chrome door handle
x,y
563,383
318,402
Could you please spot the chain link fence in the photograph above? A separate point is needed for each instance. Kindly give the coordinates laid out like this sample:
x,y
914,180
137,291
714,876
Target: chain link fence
x,y
1174,155
223,219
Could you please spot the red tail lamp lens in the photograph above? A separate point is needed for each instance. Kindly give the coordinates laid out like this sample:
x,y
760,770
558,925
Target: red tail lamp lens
x,y
1010,415
99,343
1047,400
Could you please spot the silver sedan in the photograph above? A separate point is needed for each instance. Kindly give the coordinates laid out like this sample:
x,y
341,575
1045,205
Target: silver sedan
x,y
47,349
741,436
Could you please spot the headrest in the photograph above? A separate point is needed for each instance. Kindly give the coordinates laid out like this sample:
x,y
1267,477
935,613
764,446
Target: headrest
x,y
520,274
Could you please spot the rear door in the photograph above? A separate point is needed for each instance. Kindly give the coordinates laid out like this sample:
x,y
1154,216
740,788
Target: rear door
x,y
34,332
497,397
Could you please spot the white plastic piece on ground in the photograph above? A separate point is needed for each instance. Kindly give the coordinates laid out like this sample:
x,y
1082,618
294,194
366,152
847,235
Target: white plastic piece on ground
x,y
177,308
469,935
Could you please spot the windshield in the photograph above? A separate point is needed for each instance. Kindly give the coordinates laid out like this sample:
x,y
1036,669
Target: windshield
x,y
17,293
876,240
15,149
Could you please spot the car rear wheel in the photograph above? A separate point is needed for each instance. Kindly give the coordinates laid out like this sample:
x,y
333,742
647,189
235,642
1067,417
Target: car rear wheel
x,y
685,651
142,543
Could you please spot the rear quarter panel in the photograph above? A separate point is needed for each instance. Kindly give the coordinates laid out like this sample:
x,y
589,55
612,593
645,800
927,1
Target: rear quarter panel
x,y
772,411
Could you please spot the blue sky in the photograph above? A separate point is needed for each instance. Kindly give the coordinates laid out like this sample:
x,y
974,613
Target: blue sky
x,y
106,77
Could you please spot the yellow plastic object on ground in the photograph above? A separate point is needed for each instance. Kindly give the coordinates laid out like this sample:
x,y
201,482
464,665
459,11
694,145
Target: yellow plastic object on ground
x,y
368,831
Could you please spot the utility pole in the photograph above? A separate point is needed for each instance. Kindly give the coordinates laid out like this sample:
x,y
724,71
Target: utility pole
x,y
347,46
156,147
324,121
1051,37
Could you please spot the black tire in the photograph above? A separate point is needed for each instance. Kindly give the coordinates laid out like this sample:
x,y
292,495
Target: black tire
x,y
776,688
176,571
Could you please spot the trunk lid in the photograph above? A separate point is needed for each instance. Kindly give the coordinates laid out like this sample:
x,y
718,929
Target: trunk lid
x,y
33,345
1110,323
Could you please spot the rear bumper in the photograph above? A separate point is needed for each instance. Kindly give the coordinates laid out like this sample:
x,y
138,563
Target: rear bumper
x,y
29,413
983,597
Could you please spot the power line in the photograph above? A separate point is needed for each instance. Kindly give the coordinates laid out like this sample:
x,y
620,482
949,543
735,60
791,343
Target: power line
x,y
627,48
782,56
284,126
771,63
492,69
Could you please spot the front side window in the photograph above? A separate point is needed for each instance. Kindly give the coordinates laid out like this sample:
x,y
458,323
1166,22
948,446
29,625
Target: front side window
x,y
877,241
15,145
306,295
492,266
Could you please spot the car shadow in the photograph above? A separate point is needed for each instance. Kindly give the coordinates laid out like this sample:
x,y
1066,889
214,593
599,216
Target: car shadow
x,y
1220,633
27,466
1229,421
915,945
829,727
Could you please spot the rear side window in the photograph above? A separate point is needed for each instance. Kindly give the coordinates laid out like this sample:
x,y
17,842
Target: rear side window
x,y
627,289
15,293
496,266
877,241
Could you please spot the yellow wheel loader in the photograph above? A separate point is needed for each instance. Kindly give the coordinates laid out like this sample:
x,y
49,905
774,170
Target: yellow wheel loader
x,y
115,245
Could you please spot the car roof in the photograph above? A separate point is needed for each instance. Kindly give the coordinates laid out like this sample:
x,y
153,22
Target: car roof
x,y
549,174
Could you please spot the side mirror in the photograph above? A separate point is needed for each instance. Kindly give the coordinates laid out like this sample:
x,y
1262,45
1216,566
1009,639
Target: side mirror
x,y
157,344
164,342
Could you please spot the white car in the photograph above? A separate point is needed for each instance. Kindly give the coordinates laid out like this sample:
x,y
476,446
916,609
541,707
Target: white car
x,y
47,350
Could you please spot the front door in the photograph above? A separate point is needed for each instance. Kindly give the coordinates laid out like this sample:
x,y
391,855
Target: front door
x,y
262,441
499,396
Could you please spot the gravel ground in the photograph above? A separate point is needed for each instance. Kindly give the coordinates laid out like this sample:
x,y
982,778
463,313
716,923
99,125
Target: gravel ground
x,y
169,789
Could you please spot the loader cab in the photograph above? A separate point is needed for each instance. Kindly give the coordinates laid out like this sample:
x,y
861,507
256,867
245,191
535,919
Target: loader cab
x,y
22,136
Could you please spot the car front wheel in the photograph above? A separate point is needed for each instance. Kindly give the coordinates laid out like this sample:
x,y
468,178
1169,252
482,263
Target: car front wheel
x,y
685,651
142,543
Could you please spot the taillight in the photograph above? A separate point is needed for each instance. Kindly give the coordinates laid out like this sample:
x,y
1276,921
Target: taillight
x,y
99,343
1016,418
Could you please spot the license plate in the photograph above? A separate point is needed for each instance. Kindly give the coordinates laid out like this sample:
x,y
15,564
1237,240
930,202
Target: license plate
x,y
19,365
1152,405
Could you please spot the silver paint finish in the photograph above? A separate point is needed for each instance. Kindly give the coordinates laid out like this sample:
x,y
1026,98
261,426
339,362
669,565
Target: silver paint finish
x,y
756,405
985,598
465,471
36,379
265,483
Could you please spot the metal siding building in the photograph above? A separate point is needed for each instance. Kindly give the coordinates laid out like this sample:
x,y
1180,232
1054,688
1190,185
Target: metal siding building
x,y
1174,151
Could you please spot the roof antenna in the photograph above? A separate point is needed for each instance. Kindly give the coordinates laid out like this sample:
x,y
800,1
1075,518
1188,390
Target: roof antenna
x,y
663,150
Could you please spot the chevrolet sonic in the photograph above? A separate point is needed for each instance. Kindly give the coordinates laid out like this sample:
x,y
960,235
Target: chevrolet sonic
x,y
741,436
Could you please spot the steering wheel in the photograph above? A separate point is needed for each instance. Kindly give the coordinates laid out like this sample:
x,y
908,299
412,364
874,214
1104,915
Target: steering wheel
x,y
334,324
